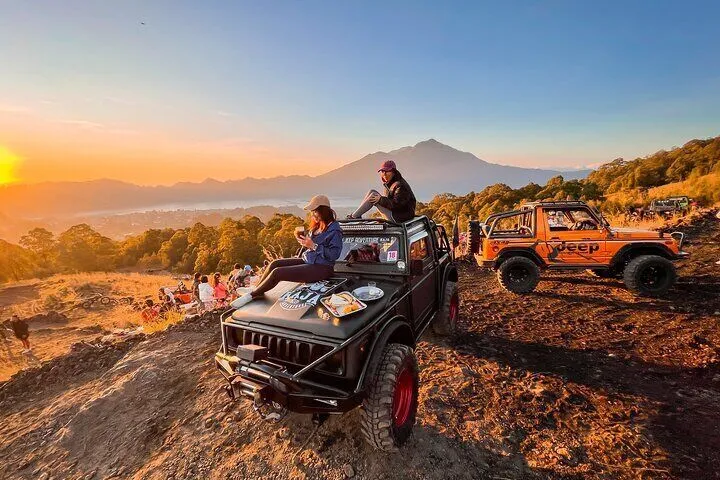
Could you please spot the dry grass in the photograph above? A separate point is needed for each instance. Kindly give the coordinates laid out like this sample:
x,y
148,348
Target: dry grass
x,y
162,323
654,223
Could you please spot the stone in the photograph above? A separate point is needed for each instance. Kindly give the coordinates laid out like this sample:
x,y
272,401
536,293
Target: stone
x,y
348,470
209,422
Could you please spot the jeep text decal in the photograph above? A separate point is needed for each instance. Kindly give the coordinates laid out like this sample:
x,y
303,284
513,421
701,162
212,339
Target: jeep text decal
x,y
578,247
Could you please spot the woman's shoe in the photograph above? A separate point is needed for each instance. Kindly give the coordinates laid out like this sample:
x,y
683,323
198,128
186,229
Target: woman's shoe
x,y
242,301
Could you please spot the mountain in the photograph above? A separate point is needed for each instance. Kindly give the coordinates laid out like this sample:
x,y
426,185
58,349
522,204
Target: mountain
x,y
430,166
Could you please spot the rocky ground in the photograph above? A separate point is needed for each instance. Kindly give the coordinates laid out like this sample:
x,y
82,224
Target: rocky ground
x,y
579,380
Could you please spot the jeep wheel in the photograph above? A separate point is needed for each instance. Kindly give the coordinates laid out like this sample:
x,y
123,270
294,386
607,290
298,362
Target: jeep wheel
x,y
446,321
518,275
388,411
650,275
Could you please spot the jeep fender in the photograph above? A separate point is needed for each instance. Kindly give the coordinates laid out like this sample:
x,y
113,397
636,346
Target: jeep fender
x,y
635,249
523,252
449,275
395,330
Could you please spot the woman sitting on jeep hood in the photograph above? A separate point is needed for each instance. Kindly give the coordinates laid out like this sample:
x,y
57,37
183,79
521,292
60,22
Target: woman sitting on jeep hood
x,y
323,245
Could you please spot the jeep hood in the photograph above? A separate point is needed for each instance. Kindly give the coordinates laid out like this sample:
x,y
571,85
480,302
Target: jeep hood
x,y
632,233
295,307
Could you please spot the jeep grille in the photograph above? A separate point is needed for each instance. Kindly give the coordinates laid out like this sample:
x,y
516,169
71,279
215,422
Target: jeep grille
x,y
284,349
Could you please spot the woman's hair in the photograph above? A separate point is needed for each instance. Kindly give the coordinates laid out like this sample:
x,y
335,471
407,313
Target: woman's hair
x,y
327,216
236,266
197,275
204,279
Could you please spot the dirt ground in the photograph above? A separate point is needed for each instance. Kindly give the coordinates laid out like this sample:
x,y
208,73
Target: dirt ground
x,y
578,380
52,337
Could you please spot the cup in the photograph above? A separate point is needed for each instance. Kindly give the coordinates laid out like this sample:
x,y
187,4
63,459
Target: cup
x,y
300,231
372,286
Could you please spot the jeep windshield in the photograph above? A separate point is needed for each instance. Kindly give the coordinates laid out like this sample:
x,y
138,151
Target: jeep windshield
x,y
369,248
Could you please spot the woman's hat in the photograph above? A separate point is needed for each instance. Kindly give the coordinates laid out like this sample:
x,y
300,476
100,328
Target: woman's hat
x,y
387,166
317,201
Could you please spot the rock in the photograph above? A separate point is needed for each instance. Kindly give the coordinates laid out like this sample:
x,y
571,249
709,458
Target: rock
x,y
209,422
44,476
348,470
283,433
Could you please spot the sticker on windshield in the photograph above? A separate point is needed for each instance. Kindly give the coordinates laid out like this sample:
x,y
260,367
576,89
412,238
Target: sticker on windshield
x,y
370,249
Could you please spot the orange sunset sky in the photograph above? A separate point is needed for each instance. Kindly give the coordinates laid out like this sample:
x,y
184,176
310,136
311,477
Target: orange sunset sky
x,y
162,92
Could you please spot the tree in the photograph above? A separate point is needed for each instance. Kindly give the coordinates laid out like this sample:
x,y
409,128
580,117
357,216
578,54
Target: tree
x,y
279,233
80,248
172,250
41,242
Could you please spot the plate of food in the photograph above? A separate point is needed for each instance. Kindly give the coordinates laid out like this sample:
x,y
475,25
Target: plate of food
x,y
368,294
343,303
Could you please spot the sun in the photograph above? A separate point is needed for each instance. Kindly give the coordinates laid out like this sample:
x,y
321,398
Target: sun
x,y
8,162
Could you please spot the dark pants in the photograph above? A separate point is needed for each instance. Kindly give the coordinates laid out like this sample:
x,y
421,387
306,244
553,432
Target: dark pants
x,y
291,270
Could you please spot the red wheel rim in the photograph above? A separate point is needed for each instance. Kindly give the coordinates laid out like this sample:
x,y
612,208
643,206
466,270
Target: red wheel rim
x,y
403,397
454,309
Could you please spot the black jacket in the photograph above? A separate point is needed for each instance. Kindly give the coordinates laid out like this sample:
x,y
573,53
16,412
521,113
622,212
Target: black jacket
x,y
399,198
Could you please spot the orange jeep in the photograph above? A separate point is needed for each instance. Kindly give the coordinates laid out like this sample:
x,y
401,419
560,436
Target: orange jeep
x,y
572,236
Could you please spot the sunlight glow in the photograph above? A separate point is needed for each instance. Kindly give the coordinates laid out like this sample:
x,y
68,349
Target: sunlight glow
x,y
8,163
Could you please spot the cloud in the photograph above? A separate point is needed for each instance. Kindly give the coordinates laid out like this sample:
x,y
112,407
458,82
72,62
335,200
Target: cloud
x,y
83,124
14,109
222,113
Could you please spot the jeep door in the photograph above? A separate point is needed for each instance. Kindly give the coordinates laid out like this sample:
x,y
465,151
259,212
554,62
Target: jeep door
x,y
574,236
423,282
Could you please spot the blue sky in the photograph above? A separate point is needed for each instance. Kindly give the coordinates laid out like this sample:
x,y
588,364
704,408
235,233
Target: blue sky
x,y
556,83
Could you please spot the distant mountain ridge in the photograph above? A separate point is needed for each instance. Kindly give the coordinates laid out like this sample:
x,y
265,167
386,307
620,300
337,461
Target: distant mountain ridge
x,y
430,166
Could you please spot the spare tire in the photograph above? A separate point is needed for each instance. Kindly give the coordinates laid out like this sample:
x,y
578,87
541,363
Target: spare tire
x,y
518,275
474,237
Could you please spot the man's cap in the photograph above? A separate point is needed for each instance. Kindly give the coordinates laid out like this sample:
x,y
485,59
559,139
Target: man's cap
x,y
387,166
317,201
247,267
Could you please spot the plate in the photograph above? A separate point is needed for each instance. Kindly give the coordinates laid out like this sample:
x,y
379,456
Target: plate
x,y
368,294
353,305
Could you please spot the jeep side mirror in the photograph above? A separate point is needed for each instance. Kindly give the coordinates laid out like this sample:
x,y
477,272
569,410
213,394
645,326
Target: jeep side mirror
x,y
416,267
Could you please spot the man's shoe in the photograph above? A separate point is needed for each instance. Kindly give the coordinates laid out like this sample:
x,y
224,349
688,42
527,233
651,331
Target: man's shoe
x,y
242,301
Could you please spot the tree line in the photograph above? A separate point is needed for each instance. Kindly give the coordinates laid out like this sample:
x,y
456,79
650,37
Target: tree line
x,y
198,248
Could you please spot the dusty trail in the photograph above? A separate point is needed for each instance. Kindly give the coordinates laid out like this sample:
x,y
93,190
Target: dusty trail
x,y
579,380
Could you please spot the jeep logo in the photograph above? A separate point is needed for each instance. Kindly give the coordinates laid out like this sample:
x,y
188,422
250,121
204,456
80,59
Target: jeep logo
x,y
578,247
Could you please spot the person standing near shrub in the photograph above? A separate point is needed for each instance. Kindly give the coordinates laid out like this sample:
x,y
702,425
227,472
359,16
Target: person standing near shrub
x,y
21,330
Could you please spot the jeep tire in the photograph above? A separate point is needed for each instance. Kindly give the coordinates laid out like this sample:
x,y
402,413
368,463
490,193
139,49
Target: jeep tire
x,y
389,409
445,322
649,275
518,275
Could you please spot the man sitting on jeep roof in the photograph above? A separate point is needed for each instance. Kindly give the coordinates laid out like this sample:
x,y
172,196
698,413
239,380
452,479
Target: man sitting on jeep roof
x,y
398,203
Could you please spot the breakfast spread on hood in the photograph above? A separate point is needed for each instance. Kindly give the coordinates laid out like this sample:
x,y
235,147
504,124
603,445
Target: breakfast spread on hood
x,y
343,303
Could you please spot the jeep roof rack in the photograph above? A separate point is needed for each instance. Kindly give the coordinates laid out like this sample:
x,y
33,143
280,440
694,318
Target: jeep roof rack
x,y
373,223
559,203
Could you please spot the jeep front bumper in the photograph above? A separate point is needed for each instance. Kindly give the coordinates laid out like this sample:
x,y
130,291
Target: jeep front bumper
x,y
265,382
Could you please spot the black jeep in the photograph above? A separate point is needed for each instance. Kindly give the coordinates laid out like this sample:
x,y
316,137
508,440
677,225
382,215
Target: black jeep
x,y
287,352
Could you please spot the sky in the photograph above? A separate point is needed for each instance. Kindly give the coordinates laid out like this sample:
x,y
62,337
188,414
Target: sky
x,y
156,92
